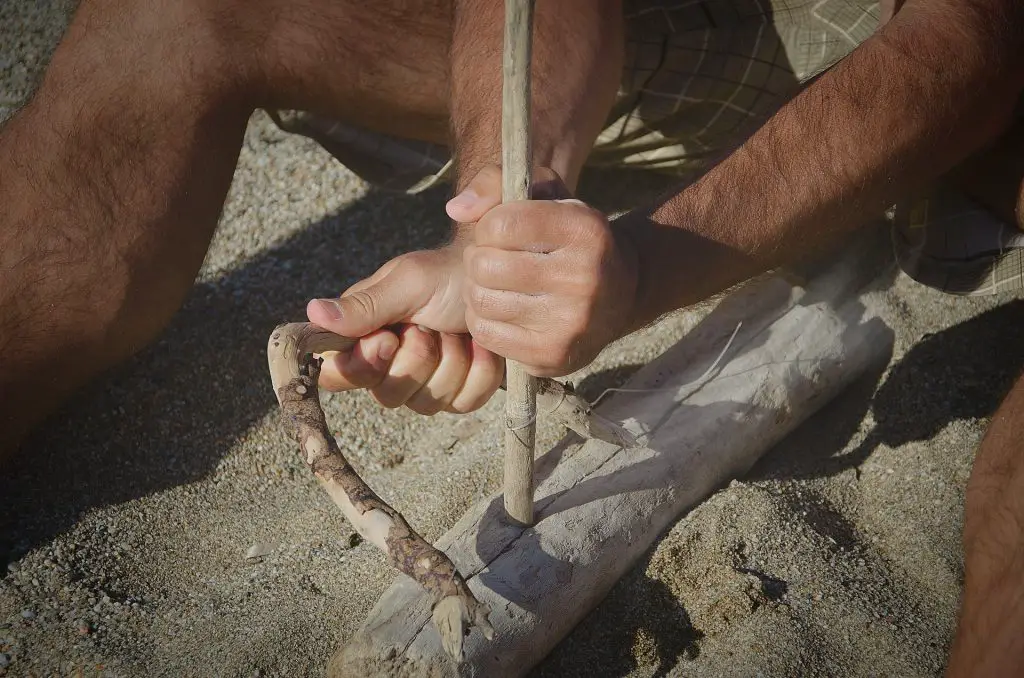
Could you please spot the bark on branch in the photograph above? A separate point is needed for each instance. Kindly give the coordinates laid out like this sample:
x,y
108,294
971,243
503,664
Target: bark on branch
x,y
294,372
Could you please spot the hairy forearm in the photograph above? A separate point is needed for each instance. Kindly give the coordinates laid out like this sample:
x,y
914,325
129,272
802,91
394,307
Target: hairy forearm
x,y
576,65
934,85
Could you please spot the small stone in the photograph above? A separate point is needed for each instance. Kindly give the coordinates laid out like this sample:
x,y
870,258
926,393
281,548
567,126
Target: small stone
x,y
84,628
354,540
28,614
5,660
97,607
260,550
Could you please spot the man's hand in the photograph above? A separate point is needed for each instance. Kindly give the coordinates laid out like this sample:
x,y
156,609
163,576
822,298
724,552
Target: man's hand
x,y
411,318
548,284
414,350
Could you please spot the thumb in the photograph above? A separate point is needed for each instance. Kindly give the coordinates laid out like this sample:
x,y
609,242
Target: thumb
x,y
483,193
365,309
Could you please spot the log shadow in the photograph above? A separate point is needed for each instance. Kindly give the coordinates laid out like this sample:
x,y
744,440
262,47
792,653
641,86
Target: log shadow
x,y
952,375
168,415
647,614
658,470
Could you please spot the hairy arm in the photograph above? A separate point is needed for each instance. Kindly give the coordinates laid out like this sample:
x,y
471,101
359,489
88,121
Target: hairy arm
x,y
576,66
935,84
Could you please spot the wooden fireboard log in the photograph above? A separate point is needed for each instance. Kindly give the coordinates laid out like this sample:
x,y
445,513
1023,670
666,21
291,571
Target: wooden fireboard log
x,y
599,507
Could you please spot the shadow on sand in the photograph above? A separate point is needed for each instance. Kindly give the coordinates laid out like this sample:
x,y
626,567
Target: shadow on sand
x,y
167,417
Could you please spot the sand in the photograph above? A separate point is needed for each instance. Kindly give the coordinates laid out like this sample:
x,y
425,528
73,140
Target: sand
x,y
125,524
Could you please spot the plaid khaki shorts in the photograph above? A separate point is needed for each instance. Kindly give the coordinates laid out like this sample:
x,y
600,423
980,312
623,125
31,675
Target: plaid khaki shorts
x,y
699,76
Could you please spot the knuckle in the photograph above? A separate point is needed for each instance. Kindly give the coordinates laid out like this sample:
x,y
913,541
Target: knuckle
x,y
364,301
422,346
578,324
329,382
480,265
482,331
455,351
500,223
413,263
465,404
591,225
482,300
472,401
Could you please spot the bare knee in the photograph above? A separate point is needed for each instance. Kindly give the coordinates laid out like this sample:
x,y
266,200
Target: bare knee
x,y
186,45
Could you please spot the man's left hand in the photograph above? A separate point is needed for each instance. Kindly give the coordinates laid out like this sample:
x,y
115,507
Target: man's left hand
x,y
548,284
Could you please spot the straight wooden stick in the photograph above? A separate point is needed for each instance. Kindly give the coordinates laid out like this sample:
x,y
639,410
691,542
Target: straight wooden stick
x,y
521,400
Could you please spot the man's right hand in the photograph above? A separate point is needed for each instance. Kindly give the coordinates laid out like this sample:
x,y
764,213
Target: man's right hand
x,y
413,349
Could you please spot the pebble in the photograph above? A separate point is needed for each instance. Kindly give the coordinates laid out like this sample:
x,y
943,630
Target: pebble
x,y
28,614
260,550
5,660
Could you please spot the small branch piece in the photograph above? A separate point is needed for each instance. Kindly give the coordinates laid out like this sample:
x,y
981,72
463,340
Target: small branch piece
x,y
294,373
560,402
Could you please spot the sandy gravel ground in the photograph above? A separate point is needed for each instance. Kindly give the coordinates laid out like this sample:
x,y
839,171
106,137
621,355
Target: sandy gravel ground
x,y
125,525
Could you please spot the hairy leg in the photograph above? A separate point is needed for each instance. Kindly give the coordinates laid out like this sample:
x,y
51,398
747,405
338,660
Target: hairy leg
x,y
990,636
113,177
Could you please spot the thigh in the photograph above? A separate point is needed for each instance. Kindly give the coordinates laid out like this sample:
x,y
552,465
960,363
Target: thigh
x,y
380,65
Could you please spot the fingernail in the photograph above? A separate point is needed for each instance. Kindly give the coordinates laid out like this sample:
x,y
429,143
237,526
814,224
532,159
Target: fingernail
x,y
424,329
330,307
464,200
387,351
